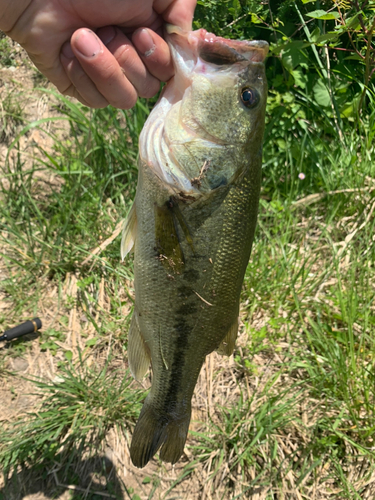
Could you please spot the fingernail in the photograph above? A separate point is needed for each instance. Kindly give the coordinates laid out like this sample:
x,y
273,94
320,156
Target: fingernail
x,y
144,42
87,43
67,51
107,34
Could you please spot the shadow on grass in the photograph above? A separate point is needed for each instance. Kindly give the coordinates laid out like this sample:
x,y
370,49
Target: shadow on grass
x,y
86,479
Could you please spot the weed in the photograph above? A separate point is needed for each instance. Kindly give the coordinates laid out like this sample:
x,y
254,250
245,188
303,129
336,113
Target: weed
x,y
11,116
6,51
77,411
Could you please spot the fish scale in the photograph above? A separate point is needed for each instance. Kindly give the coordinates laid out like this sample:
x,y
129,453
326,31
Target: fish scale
x,y
192,241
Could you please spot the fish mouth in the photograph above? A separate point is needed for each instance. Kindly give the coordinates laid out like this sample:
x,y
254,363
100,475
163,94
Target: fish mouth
x,y
215,49
194,50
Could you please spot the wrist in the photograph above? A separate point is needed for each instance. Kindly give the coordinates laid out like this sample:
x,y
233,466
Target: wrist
x,y
10,13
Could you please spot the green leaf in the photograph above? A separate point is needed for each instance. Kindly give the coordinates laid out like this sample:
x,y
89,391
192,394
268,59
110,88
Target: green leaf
x,y
69,355
255,19
293,56
354,57
278,80
350,109
322,14
146,480
327,37
321,94
353,22
300,79
92,342
318,37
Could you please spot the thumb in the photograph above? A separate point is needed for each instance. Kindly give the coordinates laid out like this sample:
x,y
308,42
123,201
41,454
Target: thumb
x,y
180,13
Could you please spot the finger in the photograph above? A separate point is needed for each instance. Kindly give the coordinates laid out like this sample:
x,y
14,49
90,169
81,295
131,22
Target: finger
x,y
81,86
73,92
178,12
129,60
154,52
103,69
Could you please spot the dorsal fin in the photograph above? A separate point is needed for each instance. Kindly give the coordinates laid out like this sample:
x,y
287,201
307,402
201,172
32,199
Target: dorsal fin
x,y
129,232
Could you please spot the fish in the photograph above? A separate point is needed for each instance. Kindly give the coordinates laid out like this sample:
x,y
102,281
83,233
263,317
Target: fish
x,y
192,225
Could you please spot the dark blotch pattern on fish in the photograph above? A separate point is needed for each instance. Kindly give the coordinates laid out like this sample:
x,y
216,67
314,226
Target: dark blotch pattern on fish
x,y
182,330
191,275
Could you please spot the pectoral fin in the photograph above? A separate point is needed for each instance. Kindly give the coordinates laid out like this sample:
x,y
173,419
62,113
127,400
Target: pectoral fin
x,y
167,240
178,214
129,232
228,344
138,354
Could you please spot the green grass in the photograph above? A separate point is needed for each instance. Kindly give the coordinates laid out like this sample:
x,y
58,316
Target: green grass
x,y
301,417
11,116
86,199
7,57
78,411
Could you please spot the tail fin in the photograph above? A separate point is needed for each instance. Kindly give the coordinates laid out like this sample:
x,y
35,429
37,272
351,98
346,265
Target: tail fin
x,y
153,431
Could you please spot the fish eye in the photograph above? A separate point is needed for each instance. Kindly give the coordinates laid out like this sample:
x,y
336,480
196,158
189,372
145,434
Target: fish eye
x,y
250,97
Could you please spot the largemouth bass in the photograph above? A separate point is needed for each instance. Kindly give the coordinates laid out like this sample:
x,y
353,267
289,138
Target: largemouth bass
x,y
192,225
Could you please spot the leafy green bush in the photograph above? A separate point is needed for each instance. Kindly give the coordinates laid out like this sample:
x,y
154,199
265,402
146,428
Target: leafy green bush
x,y
320,74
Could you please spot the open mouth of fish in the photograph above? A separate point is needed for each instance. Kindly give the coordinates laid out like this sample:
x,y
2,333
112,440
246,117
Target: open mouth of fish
x,y
193,52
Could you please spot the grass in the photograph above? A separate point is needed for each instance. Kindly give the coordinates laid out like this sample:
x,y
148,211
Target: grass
x,y
6,50
292,416
81,188
79,409
11,116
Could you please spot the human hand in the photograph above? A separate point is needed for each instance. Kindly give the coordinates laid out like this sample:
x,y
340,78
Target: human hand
x,y
126,58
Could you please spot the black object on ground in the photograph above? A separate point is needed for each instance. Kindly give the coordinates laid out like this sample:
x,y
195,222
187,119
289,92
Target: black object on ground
x,y
23,329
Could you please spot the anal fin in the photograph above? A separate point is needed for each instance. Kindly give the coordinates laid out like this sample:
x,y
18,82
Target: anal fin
x,y
228,344
138,354
129,232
